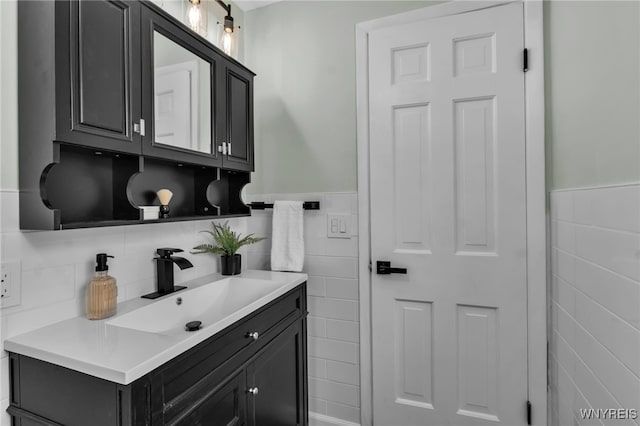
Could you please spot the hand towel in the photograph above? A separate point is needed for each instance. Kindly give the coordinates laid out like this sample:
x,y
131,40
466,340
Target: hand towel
x,y
287,242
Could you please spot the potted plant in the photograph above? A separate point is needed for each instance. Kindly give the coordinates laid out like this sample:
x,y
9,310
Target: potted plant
x,y
226,244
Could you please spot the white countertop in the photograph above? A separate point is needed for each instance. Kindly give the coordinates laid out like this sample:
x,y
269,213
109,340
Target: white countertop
x,y
123,355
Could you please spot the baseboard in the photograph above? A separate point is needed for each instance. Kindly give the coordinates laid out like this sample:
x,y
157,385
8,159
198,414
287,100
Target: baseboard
x,y
316,419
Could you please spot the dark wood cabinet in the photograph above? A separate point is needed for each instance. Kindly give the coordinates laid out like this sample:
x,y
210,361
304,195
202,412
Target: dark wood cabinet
x,y
99,78
229,379
237,106
275,376
79,74
87,104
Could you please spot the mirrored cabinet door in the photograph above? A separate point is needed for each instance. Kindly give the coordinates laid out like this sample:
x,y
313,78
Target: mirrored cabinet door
x,y
179,76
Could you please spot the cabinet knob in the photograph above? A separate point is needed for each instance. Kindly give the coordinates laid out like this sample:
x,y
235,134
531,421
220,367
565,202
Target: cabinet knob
x,y
223,148
253,336
253,391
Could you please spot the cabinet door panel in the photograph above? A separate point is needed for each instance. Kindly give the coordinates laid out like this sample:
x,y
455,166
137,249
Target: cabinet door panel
x,y
100,77
239,110
178,92
224,406
278,373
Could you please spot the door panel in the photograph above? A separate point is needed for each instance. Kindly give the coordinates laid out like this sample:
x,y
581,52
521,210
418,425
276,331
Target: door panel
x,y
239,110
448,203
223,407
101,76
414,352
277,374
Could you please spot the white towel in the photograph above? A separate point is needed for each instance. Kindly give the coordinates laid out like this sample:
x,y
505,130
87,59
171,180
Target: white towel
x,y
287,243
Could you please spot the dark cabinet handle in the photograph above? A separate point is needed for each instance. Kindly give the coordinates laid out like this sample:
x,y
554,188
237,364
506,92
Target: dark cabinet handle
x,y
384,268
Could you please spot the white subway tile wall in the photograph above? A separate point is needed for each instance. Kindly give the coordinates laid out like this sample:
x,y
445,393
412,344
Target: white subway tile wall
x,y
595,303
56,267
333,300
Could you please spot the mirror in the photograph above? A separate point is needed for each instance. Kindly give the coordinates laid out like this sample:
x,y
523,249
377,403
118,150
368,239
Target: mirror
x,y
182,101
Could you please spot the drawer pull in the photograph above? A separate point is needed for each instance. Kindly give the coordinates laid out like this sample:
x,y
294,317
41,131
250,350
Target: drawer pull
x,y
253,336
253,391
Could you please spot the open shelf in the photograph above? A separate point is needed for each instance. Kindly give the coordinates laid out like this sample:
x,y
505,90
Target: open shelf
x,y
90,188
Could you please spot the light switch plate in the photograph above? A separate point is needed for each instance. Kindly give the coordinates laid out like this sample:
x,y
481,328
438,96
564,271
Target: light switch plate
x,y
338,226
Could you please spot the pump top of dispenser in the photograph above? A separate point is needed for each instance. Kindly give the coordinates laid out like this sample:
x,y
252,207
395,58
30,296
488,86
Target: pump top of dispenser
x,y
101,262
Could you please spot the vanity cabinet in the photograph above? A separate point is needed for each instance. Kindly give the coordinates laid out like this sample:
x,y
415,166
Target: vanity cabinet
x,y
231,378
118,89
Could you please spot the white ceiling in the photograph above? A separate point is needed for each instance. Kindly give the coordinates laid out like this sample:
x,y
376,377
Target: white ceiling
x,y
253,4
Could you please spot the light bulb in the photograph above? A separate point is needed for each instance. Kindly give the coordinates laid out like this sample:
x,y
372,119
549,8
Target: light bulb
x,y
197,17
226,43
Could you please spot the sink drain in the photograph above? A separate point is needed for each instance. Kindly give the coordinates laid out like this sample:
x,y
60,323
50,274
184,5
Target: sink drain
x,y
193,325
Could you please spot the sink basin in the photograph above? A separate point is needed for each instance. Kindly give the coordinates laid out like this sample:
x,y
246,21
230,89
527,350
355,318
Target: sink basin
x,y
209,303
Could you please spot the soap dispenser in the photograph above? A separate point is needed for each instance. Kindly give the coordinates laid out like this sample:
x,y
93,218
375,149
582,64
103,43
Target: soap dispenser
x,y
102,293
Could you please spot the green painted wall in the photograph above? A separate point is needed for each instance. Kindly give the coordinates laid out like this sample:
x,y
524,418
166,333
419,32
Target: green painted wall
x,y
592,78
305,91
303,53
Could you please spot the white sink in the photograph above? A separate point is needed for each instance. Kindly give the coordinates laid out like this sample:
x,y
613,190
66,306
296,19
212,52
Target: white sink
x,y
209,303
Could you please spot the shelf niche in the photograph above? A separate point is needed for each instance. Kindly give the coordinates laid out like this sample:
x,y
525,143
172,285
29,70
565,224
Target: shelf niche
x,y
91,188
188,183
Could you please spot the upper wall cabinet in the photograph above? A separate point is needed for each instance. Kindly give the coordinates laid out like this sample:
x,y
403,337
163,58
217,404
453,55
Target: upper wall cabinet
x,y
127,77
118,99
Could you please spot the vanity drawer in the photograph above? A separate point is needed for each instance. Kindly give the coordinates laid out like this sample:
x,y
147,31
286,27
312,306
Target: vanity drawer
x,y
227,350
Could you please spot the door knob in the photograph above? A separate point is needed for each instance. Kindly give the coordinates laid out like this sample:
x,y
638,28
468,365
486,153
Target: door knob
x,y
253,391
384,268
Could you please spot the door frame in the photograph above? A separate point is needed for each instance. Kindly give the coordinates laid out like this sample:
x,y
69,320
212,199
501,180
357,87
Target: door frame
x,y
535,196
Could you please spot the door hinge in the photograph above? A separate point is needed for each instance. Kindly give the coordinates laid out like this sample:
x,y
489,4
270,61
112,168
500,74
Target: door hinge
x,y
529,413
525,60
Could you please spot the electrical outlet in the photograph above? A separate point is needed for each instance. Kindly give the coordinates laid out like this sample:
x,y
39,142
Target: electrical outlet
x,y
10,293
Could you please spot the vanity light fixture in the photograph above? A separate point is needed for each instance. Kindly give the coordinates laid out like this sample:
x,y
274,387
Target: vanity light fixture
x,y
227,35
197,17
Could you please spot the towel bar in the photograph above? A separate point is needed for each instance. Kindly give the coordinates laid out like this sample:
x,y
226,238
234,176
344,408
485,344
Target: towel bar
x,y
307,205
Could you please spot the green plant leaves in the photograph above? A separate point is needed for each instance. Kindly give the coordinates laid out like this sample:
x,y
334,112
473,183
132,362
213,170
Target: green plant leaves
x,y
227,242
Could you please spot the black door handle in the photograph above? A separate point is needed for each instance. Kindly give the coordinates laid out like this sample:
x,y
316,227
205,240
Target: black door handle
x,y
384,268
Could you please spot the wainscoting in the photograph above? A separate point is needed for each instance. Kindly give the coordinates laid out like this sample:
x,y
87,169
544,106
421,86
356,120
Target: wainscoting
x,y
595,303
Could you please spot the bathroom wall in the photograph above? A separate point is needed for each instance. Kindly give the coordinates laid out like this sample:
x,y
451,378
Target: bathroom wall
x,y
333,328
595,302
593,140
305,95
592,58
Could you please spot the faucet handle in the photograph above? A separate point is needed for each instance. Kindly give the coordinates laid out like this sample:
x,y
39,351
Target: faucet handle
x,y
166,252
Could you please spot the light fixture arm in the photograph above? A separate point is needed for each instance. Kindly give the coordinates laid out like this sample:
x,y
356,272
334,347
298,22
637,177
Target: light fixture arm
x,y
228,20
226,7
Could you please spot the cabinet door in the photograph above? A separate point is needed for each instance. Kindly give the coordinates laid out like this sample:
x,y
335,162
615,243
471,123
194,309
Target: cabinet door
x,y
178,91
98,74
237,105
276,381
223,406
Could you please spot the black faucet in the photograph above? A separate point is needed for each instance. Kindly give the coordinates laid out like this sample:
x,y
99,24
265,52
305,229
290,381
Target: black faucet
x,y
164,263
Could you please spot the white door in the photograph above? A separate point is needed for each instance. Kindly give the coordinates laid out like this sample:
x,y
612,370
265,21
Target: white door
x,y
448,204
176,106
